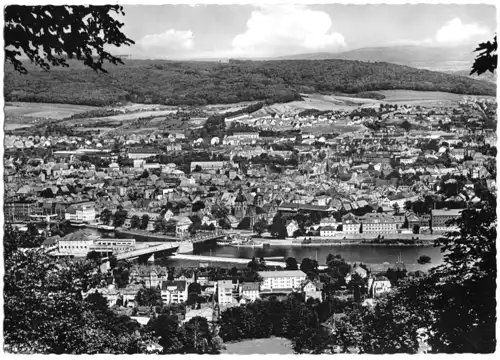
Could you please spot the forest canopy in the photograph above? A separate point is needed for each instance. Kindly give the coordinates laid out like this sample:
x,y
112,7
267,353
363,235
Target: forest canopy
x,y
202,83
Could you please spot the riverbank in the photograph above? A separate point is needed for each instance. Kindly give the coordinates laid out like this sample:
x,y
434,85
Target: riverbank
x,y
360,242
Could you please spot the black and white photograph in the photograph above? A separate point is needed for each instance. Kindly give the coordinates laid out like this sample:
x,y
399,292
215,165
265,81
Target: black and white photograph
x,y
249,178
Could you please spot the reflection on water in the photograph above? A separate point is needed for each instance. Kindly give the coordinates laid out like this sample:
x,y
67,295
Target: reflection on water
x,y
374,256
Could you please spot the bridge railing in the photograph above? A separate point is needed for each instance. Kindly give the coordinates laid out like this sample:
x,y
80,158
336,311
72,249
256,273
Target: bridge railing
x,y
143,251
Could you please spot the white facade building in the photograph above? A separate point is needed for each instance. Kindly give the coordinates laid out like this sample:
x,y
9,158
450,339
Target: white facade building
x,y
291,279
225,292
174,292
84,213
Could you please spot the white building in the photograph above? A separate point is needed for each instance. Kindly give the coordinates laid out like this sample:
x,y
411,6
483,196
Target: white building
x,y
225,292
174,292
290,279
351,226
378,286
376,223
327,231
182,224
247,135
141,153
113,244
249,291
79,213
207,165
76,244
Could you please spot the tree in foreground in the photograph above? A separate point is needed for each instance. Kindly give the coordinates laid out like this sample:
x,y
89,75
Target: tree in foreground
x,y
487,58
49,34
463,290
46,312
454,304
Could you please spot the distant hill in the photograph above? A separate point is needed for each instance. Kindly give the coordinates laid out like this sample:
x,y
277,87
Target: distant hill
x,y
416,56
201,83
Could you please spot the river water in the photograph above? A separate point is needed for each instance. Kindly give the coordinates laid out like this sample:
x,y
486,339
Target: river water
x,y
373,256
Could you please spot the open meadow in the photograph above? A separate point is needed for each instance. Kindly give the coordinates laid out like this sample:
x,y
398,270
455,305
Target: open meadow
x,y
260,347
44,110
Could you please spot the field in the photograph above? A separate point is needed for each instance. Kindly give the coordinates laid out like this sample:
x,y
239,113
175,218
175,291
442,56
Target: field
x,y
339,127
260,347
43,110
338,102
138,115
14,126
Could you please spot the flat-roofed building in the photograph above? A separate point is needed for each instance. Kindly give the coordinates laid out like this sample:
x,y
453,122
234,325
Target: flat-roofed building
x,y
113,245
225,292
288,279
246,135
141,153
83,213
207,165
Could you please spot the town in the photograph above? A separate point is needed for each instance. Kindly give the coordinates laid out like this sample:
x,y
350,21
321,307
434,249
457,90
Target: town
x,y
398,179
310,180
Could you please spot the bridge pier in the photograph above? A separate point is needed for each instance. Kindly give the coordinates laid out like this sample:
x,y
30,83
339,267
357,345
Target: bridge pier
x,y
185,247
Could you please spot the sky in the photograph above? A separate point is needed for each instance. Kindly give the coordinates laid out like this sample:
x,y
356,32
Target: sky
x,y
259,31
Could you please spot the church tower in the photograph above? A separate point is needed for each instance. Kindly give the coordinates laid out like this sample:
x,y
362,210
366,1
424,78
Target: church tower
x,y
240,206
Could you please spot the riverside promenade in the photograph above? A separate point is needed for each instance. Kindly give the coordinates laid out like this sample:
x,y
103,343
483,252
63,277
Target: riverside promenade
x,y
223,259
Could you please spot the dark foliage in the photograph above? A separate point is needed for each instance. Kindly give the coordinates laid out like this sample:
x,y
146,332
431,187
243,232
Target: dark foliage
x,y
29,30
487,58
201,83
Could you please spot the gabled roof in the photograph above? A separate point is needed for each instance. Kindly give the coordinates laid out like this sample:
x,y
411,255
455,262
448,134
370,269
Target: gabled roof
x,y
180,285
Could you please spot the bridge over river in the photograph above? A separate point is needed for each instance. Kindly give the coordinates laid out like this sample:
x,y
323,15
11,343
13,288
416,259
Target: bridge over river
x,y
148,250
180,244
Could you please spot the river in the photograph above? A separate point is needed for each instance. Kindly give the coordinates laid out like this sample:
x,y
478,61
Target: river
x,y
373,256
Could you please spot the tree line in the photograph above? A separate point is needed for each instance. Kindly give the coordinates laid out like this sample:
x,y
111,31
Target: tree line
x,y
202,83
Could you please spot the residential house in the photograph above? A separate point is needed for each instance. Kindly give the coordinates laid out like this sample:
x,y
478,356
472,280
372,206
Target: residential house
x,y
362,272
150,276
378,286
312,290
182,224
174,292
249,291
225,291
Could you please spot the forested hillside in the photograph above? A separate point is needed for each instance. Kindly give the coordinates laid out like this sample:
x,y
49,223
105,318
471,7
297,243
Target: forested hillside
x,y
201,83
